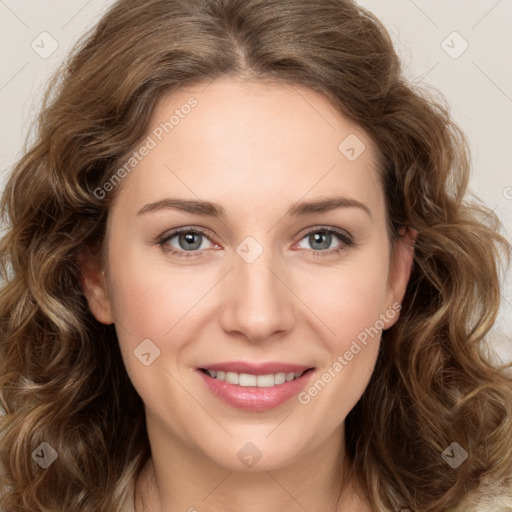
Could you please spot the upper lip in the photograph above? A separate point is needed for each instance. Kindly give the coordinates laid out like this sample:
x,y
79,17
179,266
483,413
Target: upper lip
x,y
256,368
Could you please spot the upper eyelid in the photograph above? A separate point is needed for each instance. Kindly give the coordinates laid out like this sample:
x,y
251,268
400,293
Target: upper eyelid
x,y
188,229
336,230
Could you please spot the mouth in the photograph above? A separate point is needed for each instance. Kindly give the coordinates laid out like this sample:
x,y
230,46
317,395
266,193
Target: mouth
x,y
247,379
252,387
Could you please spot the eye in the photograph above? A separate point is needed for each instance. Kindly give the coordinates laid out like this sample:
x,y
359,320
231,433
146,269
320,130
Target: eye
x,y
189,242
184,240
321,238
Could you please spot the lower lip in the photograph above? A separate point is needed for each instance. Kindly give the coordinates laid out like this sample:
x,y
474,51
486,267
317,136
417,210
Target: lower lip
x,y
253,398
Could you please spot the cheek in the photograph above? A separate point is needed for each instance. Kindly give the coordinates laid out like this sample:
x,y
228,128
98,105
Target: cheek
x,y
350,298
148,297
150,304
352,309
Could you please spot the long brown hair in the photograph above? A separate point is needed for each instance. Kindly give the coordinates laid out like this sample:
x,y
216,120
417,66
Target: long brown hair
x,y
62,378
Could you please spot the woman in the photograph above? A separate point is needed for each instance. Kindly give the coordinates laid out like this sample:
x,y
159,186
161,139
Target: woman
x,y
240,275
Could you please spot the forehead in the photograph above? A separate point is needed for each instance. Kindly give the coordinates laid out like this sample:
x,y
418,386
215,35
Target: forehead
x,y
254,143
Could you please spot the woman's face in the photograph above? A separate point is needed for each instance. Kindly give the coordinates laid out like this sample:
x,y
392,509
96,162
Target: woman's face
x,y
284,259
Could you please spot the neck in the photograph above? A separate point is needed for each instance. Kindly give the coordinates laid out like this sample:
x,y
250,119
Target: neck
x,y
189,481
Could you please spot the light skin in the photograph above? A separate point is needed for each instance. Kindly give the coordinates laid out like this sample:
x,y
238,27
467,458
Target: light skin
x,y
257,149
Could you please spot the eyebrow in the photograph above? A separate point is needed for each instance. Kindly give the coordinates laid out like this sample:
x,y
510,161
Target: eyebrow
x,y
211,209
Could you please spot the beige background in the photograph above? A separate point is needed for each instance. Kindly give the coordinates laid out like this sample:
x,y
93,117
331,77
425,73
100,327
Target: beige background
x,y
477,82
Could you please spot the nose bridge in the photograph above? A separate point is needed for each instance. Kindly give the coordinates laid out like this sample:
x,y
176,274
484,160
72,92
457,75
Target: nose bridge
x,y
259,304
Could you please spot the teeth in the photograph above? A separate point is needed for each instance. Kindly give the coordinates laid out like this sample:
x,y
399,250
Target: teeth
x,y
261,381
231,377
245,379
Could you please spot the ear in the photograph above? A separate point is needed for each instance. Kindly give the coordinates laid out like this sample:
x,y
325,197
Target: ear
x,y
400,268
94,286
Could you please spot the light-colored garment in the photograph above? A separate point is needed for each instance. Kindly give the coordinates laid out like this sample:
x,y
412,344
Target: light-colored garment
x,y
497,503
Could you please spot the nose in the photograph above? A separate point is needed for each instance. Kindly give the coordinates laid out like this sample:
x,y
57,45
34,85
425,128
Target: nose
x,y
257,302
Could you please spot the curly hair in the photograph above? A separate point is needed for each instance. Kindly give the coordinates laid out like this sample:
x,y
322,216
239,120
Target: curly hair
x,y
62,377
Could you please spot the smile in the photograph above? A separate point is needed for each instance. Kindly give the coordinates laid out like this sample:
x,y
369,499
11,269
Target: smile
x,y
255,391
260,381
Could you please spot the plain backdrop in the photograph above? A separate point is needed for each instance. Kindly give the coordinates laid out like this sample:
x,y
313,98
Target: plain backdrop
x,y
463,48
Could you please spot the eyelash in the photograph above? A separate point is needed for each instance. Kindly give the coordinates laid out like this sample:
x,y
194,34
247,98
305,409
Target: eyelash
x,y
345,239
